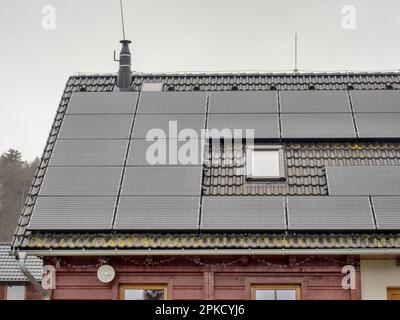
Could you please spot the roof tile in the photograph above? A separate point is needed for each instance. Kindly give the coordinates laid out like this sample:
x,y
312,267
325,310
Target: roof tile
x,y
9,266
212,241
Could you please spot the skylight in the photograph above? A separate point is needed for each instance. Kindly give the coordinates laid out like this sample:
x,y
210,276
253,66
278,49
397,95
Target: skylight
x,y
152,86
265,162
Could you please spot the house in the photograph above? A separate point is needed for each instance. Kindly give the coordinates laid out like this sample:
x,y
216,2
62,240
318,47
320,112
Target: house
x,y
306,208
13,283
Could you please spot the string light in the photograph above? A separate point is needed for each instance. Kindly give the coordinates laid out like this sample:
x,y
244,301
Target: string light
x,y
213,265
353,263
150,262
287,265
61,262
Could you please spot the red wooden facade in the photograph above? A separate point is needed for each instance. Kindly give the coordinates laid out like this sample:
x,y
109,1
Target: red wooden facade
x,y
206,277
30,292
2,291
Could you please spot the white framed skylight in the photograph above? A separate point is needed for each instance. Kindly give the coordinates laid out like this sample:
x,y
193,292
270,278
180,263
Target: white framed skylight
x,y
152,86
265,162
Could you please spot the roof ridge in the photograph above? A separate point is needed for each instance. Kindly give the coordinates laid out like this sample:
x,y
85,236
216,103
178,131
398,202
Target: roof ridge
x,y
247,73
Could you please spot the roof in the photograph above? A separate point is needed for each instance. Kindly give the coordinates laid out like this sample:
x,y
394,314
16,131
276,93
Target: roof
x,y
9,266
243,81
148,241
307,162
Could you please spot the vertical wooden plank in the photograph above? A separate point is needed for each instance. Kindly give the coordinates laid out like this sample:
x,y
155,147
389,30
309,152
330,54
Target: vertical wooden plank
x,y
209,286
356,293
115,290
206,290
2,292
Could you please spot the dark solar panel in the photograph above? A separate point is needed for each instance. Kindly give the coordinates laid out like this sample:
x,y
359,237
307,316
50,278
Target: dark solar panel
x,y
172,102
165,151
158,213
243,102
168,126
363,180
162,181
330,213
102,103
314,101
81,181
73,213
311,125
243,213
225,125
89,153
375,100
387,212
378,125
95,127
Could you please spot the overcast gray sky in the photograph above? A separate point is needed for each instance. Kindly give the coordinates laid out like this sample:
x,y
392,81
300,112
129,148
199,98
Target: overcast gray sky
x,y
176,35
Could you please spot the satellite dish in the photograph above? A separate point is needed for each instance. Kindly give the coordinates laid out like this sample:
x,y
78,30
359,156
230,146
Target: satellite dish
x,y
106,273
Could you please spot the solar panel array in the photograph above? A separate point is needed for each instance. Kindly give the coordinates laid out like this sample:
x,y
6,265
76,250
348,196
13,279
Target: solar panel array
x,y
301,213
363,180
101,177
80,188
376,113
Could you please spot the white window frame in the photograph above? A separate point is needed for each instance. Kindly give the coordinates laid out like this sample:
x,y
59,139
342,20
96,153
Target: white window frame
x,y
143,287
152,86
249,162
16,292
275,288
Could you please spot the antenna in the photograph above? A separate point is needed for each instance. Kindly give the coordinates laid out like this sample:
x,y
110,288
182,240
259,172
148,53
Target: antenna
x,y
122,19
295,53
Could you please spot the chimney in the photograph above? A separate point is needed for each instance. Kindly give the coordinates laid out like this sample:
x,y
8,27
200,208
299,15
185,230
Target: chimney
x,y
125,73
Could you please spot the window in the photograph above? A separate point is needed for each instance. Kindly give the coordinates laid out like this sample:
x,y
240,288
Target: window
x,y
152,86
143,292
275,292
16,292
393,293
265,162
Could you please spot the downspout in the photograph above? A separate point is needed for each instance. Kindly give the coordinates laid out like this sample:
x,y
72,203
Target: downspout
x,y
22,264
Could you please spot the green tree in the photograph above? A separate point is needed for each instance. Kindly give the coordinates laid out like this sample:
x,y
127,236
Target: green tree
x,y
15,179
